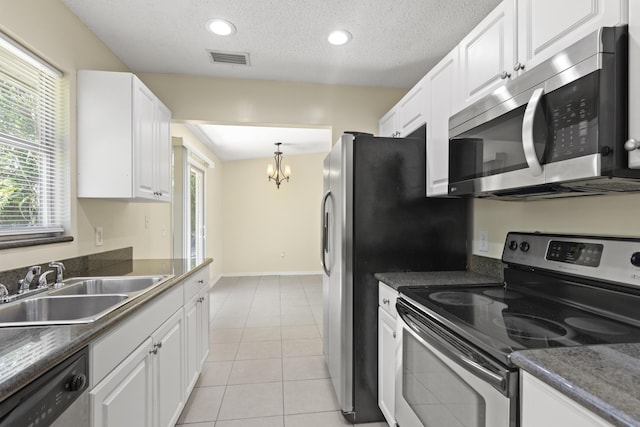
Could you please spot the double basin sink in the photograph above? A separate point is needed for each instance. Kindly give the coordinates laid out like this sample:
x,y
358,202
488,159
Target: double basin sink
x,y
78,300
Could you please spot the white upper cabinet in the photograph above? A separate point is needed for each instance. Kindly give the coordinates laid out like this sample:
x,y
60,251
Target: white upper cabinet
x,y
520,34
389,124
407,115
487,53
124,139
545,27
412,108
442,102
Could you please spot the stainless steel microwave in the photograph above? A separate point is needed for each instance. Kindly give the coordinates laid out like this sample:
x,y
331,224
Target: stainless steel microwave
x,y
558,130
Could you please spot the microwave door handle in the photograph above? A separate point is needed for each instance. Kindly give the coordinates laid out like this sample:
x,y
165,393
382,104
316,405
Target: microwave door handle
x,y
325,233
527,132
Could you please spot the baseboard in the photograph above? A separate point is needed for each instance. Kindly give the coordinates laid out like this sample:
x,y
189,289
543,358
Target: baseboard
x,y
273,273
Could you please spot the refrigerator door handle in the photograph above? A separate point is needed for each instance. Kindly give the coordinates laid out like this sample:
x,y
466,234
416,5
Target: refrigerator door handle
x,y
325,234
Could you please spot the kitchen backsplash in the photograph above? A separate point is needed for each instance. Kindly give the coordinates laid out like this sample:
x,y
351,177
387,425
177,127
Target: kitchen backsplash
x,y
488,266
74,267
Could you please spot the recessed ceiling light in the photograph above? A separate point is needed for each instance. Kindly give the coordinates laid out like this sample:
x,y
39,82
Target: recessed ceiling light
x,y
339,37
221,27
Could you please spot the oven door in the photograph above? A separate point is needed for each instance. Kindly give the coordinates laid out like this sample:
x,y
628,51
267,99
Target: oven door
x,y
445,383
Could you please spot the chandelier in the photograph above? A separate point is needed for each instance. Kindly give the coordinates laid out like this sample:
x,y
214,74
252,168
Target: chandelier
x,y
278,174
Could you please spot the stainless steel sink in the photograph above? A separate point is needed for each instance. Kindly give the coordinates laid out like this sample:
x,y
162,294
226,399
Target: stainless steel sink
x,y
54,310
107,285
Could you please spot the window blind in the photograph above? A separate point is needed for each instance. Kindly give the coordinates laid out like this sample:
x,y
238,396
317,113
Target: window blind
x,y
32,159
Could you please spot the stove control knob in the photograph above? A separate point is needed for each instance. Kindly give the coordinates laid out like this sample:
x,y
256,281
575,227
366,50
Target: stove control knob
x,y
513,245
635,259
77,382
524,246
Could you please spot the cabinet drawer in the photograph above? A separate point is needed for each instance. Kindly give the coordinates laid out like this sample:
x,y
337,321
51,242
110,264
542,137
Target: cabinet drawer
x,y
194,283
387,298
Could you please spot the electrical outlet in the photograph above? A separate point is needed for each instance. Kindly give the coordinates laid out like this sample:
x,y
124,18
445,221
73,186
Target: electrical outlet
x,y
483,242
146,222
282,255
99,236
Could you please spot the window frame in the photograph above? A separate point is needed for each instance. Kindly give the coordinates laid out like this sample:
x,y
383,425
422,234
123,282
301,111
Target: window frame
x,y
49,144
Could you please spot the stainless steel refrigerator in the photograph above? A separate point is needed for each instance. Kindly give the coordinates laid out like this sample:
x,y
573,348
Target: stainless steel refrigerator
x,y
376,218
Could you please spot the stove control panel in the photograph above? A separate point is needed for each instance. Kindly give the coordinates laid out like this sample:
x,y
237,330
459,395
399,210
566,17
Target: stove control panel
x,y
595,257
579,253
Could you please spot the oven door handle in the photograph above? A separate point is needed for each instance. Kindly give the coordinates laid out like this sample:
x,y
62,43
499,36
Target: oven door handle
x,y
527,132
496,380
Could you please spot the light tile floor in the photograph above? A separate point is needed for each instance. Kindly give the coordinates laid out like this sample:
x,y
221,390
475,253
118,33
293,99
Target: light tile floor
x,y
265,367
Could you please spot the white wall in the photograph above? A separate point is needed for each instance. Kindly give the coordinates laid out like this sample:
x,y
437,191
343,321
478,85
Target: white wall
x,y
263,223
615,215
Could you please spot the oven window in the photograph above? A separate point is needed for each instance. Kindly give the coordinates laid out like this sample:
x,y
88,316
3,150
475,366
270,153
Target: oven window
x,y
438,396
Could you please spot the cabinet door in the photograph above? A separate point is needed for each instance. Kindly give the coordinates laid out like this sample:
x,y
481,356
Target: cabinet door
x,y
545,27
191,320
124,397
412,109
634,82
543,406
487,53
441,84
168,371
386,365
144,137
389,124
204,326
163,150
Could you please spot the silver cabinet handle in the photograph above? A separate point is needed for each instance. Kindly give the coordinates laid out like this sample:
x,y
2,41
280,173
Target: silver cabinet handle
x,y
527,132
394,334
518,66
385,300
201,281
631,144
505,75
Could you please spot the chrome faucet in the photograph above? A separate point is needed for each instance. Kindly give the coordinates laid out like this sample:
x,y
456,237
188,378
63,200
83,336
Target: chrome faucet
x,y
59,269
4,293
28,279
42,281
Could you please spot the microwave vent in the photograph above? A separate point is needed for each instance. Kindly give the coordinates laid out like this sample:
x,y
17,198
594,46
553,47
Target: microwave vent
x,y
234,58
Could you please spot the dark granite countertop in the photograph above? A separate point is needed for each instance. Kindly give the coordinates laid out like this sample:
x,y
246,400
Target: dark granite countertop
x,y
434,278
28,352
603,378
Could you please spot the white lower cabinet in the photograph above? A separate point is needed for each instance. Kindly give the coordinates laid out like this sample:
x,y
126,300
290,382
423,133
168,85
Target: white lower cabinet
x,y
544,406
196,313
147,389
387,350
168,371
124,397
144,369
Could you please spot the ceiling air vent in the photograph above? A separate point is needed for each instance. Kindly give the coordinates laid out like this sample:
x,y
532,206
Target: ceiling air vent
x,y
236,58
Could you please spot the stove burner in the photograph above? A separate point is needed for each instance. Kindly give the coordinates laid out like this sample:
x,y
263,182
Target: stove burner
x,y
502,293
532,327
599,326
459,298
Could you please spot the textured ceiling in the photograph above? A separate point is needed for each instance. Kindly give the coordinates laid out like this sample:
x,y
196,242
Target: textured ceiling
x,y
395,42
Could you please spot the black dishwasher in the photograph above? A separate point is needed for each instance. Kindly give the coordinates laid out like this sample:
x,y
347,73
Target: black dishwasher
x,y
43,400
